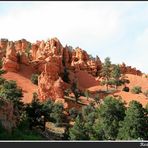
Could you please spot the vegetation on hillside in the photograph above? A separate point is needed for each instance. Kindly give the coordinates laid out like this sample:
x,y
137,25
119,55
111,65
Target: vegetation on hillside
x,y
34,79
105,118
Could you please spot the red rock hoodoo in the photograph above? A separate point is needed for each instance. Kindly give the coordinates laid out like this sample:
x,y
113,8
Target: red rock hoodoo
x,y
50,59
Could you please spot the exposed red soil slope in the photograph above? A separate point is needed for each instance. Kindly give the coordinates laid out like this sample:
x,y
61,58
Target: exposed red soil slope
x,y
23,80
128,96
86,80
138,81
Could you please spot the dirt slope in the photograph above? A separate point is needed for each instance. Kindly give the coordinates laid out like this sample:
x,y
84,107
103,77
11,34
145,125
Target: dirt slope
x,y
23,80
86,80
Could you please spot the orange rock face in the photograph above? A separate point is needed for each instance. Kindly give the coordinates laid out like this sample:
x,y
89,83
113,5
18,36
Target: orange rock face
x,y
50,85
129,70
21,45
3,46
82,61
10,61
50,59
3,43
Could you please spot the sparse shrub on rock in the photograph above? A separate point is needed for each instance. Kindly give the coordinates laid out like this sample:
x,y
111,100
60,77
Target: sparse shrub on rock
x,y
34,79
136,90
126,89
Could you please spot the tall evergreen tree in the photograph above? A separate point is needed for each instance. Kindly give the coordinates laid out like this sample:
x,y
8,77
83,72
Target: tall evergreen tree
x,y
135,124
78,131
106,71
116,74
110,113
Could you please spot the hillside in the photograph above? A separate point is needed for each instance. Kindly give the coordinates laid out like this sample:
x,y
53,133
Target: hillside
x,y
56,64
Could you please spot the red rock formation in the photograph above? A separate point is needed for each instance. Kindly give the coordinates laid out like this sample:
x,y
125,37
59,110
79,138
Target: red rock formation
x,y
21,45
25,45
129,70
49,83
23,58
3,43
18,45
50,58
10,62
3,46
66,55
34,49
81,61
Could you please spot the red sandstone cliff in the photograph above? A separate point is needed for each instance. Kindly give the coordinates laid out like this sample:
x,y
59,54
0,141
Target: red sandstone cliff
x,y
50,58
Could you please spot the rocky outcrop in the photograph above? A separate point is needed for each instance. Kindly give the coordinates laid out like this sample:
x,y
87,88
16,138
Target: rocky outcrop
x,y
42,50
50,85
82,61
10,62
3,46
51,60
7,117
22,45
3,43
33,51
129,70
23,58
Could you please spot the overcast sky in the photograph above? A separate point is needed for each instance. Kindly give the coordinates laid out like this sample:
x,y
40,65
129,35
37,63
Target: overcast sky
x,y
118,30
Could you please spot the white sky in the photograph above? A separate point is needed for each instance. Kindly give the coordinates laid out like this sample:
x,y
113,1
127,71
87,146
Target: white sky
x,y
115,29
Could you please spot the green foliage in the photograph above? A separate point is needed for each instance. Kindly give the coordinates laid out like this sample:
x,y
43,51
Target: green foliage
x,y
76,91
2,71
134,126
110,113
1,102
116,73
57,114
34,112
86,93
124,80
136,90
106,71
67,92
10,91
82,129
34,79
78,131
2,80
40,112
97,98
1,63
126,89
73,112
20,133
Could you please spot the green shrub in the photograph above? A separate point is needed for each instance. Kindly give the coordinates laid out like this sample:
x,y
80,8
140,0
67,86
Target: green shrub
x,y
1,63
2,80
73,112
34,79
126,89
136,90
2,71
